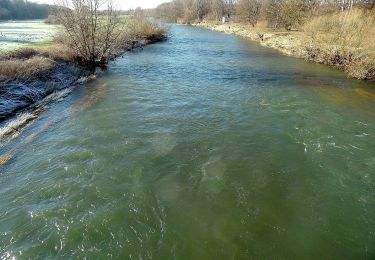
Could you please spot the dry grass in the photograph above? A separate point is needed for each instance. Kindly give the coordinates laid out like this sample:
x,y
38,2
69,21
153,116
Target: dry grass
x,y
138,28
30,63
58,52
345,40
12,69
21,53
261,25
348,44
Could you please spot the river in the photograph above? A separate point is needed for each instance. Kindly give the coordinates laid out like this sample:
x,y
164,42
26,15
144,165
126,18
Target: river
x,y
206,146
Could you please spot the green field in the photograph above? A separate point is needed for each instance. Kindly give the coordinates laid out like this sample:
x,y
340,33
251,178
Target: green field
x,y
14,34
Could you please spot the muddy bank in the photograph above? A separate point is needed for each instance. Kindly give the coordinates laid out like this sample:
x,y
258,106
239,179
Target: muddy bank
x,y
19,95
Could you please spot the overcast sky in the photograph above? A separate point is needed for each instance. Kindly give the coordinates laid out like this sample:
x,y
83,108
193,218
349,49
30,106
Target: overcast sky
x,y
122,4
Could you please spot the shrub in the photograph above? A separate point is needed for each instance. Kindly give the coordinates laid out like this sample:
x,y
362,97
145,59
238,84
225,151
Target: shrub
x,y
92,33
288,13
249,10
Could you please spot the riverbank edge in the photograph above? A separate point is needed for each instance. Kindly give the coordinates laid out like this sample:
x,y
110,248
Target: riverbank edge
x,y
20,119
63,75
288,43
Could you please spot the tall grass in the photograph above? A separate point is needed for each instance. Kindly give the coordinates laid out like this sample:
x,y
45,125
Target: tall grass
x,y
24,69
29,63
346,40
59,52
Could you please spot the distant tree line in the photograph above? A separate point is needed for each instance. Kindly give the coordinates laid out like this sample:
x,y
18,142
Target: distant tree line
x,y
21,9
277,13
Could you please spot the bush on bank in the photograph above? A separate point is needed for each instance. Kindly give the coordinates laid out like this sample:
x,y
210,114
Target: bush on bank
x,y
26,64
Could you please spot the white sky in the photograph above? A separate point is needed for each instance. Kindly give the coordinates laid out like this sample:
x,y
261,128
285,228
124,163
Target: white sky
x,y
121,4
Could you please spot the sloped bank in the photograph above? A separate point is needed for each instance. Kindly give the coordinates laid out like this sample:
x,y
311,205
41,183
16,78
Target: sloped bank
x,y
19,93
297,44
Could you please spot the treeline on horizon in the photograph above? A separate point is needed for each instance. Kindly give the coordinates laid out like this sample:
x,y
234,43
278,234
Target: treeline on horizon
x,y
21,10
276,13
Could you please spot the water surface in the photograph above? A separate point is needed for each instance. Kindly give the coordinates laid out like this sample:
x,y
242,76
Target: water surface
x,y
207,146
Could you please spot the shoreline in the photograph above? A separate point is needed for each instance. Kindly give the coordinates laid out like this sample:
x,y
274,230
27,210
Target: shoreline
x,y
17,96
284,42
290,43
21,103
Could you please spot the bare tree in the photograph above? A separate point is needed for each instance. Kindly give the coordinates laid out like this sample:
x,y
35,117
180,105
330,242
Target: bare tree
x,y
91,27
230,6
201,8
288,13
218,8
249,10
273,12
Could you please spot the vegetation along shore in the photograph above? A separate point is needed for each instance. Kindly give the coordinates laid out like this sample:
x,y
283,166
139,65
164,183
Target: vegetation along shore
x,y
87,40
340,34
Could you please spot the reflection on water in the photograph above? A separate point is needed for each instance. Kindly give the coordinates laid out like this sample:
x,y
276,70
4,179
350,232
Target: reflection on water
x,y
365,93
203,147
16,126
94,94
6,158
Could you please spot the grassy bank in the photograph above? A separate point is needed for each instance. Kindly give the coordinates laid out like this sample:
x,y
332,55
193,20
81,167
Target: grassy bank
x,y
344,41
29,74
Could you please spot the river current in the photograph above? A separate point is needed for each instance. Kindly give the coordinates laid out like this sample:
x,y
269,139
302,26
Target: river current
x,y
206,146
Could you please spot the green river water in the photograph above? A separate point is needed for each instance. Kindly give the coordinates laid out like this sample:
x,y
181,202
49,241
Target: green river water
x,y
206,146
